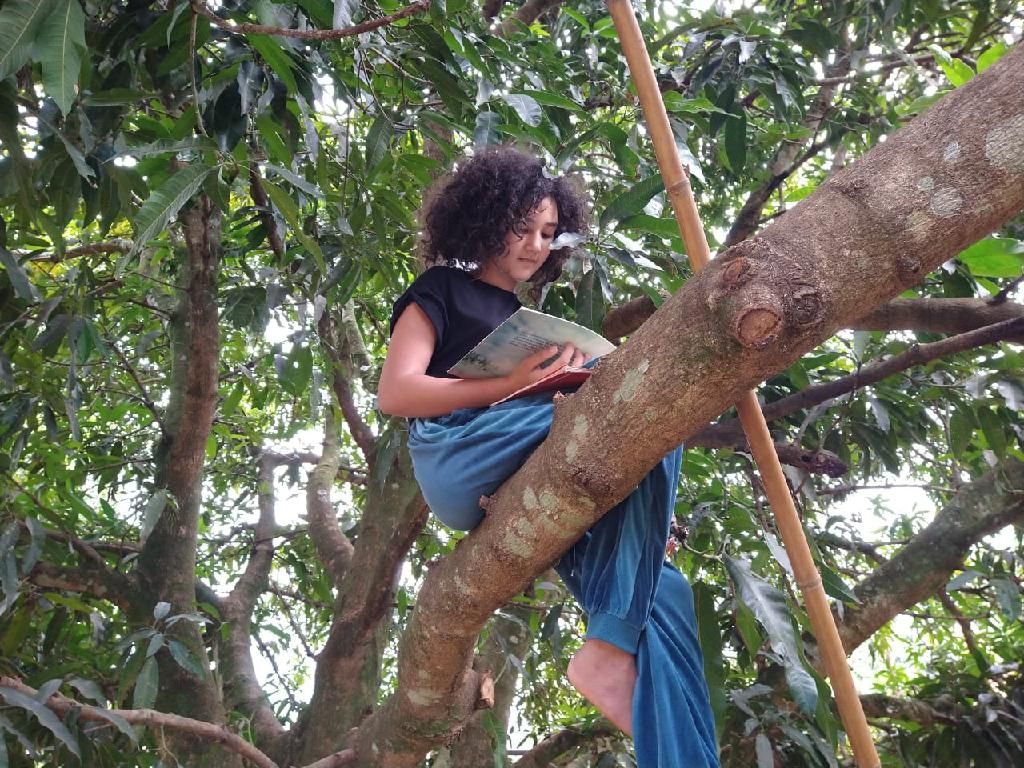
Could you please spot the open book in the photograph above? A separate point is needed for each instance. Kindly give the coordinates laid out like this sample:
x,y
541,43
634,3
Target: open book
x,y
525,332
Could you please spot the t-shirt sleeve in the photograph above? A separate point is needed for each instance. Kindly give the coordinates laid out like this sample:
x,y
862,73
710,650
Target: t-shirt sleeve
x,y
427,292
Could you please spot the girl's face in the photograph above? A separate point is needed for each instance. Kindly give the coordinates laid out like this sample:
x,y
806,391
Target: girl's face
x,y
524,254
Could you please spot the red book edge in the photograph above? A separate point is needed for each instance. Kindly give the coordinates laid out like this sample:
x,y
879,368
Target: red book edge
x,y
564,377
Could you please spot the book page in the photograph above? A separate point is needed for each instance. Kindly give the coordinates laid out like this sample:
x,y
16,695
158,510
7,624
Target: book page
x,y
521,335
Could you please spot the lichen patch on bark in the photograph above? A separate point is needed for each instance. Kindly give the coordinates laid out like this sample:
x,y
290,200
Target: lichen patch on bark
x,y
631,383
1004,145
947,201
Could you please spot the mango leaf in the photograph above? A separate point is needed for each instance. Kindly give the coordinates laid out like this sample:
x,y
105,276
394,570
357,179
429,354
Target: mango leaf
x,y
18,277
1008,597
769,606
736,142
19,22
956,71
377,142
164,203
632,201
485,132
186,659
994,257
590,300
553,100
290,211
991,56
146,685
763,749
276,59
59,43
154,508
117,721
526,107
44,715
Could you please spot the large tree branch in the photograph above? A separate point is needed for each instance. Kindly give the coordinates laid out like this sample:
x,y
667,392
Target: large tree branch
x,y
925,564
729,432
308,34
927,713
347,668
242,690
924,315
937,315
751,312
332,546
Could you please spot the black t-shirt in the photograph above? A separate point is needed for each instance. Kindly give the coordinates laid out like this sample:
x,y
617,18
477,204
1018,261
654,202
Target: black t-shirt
x,y
461,308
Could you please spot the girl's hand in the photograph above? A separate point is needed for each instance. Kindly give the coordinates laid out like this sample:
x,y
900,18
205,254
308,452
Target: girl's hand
x,y
531,369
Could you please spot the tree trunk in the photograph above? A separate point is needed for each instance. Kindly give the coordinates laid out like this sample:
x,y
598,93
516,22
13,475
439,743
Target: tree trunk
x,y
864,236
167,562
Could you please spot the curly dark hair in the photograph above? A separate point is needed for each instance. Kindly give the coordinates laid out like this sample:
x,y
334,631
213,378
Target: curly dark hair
x,y
468,213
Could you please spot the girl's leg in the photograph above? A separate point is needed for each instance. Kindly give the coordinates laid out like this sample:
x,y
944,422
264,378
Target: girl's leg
x,y
641,664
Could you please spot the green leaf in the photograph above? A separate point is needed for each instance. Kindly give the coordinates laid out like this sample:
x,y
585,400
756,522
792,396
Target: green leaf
x,y
164,203
485,132
146,684
736,142
994,430
19,22
44,715
276,59
1008,597
633,200
553,100
290,211
994,257
186,659
18,277
526,107
60,41
835,586
772,611
956,71
378,140
991,56
590,300
154,508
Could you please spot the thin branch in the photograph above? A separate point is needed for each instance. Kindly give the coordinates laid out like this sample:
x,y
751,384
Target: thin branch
x,y
309,34
151,719
546,751
965,624
262,202
727,433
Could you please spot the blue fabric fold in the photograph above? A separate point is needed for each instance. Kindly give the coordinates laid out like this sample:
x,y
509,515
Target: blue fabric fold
x,y
634,599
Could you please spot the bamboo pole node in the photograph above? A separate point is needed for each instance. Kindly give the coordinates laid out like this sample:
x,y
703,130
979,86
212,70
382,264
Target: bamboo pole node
x,y
815,583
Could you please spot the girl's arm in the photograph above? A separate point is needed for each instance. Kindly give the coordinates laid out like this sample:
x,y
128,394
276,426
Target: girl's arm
x,y
405,389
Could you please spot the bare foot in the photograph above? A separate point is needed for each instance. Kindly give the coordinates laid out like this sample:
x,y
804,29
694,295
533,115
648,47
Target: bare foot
x,y
605,676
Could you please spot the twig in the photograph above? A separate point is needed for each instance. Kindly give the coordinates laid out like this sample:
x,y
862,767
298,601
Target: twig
x,y
143,393
193,53
308,34
151,719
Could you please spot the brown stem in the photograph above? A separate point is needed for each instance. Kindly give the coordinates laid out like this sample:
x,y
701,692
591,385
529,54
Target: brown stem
x,y
151,719
729,432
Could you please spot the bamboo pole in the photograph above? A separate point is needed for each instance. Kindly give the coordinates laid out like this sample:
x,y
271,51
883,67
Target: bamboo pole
x,y
677,186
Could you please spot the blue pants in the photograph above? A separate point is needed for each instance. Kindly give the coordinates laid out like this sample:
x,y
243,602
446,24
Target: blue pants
x,y
634,599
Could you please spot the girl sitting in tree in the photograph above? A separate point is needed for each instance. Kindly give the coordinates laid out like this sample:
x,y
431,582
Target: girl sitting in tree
x,y
486,229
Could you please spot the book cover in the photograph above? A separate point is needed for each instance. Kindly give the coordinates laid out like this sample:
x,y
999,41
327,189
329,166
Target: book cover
x,y
524,333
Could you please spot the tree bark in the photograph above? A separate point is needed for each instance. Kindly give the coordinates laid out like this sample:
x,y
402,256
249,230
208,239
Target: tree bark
x,y
864,236
927,562
347,677
167,561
